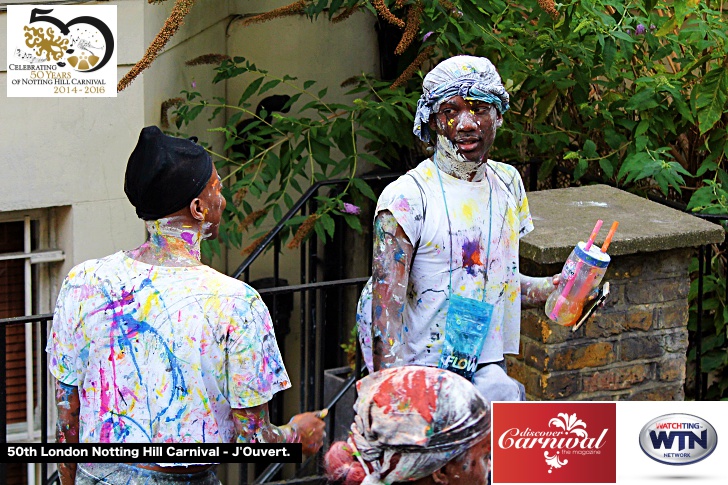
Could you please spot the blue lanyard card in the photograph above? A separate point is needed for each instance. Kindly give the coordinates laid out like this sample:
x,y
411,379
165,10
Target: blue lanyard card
x,y
466,329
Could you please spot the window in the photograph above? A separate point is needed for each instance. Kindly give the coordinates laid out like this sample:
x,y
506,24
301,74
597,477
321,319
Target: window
x,y
26,239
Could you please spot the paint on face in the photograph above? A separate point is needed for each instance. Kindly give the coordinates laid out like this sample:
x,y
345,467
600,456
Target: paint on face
x,y
465,133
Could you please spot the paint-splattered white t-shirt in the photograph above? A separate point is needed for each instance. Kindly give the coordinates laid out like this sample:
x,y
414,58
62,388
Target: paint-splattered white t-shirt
x,y
162,354
473,231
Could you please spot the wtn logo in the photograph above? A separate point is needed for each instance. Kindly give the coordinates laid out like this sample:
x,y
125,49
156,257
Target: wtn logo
x,y
678,439
665,439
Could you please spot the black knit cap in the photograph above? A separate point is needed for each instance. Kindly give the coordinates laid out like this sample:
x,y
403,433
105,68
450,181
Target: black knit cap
x,y
165,173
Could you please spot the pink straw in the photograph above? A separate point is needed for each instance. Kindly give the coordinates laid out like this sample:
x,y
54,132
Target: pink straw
x,y
593,235
572,280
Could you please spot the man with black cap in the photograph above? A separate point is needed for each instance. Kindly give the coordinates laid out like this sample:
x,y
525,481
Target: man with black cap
x,y
150,345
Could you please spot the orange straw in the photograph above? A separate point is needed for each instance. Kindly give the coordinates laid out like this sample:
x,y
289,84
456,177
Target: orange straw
x,y
609,237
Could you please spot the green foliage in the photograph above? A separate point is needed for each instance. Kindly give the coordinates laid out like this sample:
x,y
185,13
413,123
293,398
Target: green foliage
x,y
714,354
315,141
634,93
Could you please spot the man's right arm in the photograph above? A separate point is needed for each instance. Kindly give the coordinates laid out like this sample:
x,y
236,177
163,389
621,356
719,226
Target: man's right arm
x,y
390,275
252,425
67,426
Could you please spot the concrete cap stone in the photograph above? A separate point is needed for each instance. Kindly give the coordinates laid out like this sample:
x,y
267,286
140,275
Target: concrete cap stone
x,y
563,217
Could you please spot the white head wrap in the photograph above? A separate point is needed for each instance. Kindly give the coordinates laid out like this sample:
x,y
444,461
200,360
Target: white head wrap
x,y
425,415
466,76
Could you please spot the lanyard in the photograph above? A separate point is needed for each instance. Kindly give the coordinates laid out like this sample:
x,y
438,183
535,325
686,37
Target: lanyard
x,y
449,226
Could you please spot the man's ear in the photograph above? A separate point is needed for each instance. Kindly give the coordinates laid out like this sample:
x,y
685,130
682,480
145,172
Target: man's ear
x,y
196,209
432,125
498,119
440,477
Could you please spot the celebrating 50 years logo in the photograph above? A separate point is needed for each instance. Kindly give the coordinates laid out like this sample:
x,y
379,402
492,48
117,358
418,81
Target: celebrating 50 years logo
x,y
60,51
554,442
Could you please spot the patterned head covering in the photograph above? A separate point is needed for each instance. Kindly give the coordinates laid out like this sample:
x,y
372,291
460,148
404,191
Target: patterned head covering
x,y
425,415
466,76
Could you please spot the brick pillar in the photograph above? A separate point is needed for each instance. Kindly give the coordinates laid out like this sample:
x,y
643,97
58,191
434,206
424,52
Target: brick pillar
x,y
635,347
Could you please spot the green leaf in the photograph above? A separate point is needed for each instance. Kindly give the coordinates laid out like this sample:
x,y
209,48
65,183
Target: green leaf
x,y
372,159
580,169
711,96
713,360
308,84
667,27
364,188
545,106
589,150
320,230
353,222
681,11
277,213
250,90
643,100
607,167
640,143
269,85
642,127
623,36
609,52
328,224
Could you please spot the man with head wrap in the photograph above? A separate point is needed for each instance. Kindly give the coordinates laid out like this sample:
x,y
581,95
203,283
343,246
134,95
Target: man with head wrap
x,y
150,345
417,425
448,231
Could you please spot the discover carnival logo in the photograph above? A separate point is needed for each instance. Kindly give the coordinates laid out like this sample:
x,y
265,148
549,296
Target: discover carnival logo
x,y
678,439
559,442
61,51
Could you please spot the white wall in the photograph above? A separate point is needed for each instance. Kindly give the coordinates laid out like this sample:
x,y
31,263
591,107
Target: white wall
x,y
73,151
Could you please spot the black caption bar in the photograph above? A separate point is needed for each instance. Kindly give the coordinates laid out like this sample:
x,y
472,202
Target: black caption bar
x,y
151,453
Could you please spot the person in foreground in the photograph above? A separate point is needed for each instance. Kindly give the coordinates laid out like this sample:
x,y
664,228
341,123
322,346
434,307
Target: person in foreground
x,y
150,345
448,232
414,424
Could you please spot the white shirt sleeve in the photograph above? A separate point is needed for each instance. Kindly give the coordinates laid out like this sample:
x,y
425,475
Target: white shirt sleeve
x,y
404,200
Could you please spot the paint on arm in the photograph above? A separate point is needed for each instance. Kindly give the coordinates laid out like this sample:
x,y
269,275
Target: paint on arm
x,y
390,275
68,407
252,425
535,291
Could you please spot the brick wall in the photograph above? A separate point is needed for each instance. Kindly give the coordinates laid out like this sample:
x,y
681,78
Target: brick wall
x,y
632,349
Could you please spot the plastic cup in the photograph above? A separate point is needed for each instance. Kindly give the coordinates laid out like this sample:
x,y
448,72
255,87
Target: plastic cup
x,y
587,268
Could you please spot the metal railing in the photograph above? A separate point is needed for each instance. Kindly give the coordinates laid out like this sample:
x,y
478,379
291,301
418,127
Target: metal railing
x,y
43,322
696,339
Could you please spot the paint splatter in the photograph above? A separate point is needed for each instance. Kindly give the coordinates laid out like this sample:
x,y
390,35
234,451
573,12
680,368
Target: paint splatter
x,y
155,361
471,256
